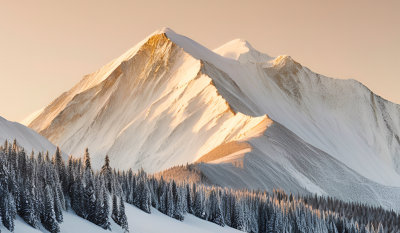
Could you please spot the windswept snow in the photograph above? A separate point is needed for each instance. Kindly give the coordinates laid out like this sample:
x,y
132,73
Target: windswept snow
x,y
242,51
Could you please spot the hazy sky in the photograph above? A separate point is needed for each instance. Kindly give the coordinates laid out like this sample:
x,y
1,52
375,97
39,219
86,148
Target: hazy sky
x,y
47,46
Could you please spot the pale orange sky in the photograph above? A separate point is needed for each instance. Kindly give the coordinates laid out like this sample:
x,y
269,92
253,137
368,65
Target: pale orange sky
x,y
47,46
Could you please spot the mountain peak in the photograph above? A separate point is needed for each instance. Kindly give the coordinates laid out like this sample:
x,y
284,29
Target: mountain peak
x,y
242,51
285,61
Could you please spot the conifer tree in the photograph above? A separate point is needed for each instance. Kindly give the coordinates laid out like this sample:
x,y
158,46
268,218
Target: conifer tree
x,y
122,216
28,211
115,210
58,204
49,218
86,160
144,196
60,168
214,209
7,204
169,201
106,171
102,208
188,200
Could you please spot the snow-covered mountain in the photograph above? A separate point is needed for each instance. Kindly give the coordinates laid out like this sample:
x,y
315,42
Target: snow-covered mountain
x,y
171,101
25,136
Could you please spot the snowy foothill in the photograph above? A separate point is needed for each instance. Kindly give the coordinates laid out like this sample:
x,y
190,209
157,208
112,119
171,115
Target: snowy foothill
x,y
26,137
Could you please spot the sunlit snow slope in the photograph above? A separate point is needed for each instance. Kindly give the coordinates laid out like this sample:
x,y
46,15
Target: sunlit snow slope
x,y
170,101
156,109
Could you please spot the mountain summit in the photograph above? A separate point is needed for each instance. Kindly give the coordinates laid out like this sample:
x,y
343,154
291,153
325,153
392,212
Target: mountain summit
x,y
256,121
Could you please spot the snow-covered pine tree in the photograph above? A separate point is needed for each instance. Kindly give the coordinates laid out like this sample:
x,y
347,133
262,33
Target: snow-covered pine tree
x,y
8,211
60,168
162,192
49,220
58,203
89,198
169,201
145,199
122,216
188,199
177,202
86,161
239,217
197,205
77,202
106,171
115,210
178,207
47,157
106,207
6,204
262,218
214,209
102,206
28,211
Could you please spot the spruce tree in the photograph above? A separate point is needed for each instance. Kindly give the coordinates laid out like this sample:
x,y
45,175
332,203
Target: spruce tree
x,y
86,161
102,208
49,220
106,171
28,211
122,216
144,196
169,201
214,209
58,204
60,168
188,200
115,210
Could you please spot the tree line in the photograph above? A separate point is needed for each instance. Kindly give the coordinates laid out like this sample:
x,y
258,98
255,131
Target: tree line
x,y
39,188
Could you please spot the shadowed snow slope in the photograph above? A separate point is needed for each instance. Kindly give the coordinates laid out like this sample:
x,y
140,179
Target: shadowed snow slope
x,y
169,101
25,137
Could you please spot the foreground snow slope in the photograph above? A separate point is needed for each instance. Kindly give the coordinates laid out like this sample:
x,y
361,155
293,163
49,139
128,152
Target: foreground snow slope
x,y
169,101
139,222
25,136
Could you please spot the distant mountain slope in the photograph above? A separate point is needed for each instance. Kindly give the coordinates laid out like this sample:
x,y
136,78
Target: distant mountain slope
x,y
171,101
25,136
280,159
